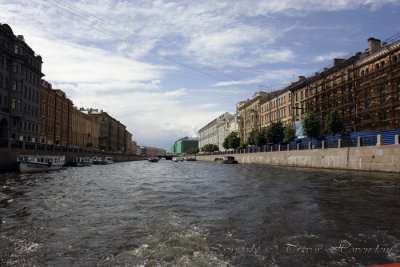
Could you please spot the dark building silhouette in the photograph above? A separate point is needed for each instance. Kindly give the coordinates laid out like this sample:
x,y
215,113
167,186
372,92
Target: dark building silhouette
x,y
20,76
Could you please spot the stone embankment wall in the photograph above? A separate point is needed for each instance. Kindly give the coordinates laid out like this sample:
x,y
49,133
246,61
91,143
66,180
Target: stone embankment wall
x,y
8,156
370,158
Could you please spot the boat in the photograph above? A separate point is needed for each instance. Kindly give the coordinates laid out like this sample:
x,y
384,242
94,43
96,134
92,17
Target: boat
x,y
153,159
226,160
102,160
39,163
82,161
177,159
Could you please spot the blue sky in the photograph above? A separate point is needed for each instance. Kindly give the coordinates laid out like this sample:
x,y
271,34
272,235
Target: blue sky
x,y
167,68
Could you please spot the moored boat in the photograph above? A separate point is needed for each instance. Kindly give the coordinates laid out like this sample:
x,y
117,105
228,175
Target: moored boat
x,y
39,163
153,159
82,161
177,159
103,160
226,160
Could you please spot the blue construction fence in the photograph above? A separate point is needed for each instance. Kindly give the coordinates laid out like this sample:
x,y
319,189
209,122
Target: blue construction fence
x,y
349,139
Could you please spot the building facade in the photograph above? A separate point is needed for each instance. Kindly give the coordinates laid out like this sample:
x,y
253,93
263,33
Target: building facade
x,y
85,129
228,124
377,87
112,133
184,144
129,143
20,75
276,107
55,116
364,89
249,115
210,134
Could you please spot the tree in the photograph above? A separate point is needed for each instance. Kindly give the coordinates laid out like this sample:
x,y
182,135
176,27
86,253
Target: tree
x,y
256,138
232,141
210,148
289,133
193,150
333,123
274,133
311,125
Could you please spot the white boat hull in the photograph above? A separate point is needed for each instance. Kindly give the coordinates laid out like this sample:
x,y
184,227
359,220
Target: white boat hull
x,y
39,163
38,167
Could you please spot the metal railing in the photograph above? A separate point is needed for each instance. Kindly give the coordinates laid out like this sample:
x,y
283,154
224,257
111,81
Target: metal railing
x,y
309,144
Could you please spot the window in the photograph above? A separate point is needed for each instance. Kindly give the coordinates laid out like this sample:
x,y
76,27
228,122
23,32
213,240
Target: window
x,y
14,86
15,49
13,104
15,67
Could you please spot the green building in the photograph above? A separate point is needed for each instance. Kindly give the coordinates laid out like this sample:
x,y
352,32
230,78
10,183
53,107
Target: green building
x,y
182,145
172,148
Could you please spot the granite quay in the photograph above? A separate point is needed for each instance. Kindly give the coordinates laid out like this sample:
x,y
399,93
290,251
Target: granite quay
x,y
372,157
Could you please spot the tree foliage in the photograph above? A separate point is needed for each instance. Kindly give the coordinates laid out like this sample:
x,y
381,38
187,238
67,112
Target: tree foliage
x,y
210,148
289,133
232,141
333,123
311,126
274,133
193,150
256,138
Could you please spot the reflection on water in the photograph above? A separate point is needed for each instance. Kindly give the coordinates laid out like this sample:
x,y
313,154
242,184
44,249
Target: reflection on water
x,y
198,214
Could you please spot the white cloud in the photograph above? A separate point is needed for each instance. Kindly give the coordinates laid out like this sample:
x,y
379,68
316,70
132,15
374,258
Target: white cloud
x,y
268,78
330,56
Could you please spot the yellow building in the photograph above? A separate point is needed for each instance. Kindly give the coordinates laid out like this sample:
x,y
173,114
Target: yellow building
x,y
85,130
275,107
249,115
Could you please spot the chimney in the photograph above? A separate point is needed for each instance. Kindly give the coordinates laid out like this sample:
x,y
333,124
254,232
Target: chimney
x,y
302,78
373,45
337,61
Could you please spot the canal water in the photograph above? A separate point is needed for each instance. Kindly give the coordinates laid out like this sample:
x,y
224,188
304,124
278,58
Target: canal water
x,y
198,214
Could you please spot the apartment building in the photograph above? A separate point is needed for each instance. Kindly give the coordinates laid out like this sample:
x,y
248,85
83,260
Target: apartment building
x,y
55,116
249,115
20,75
210,133
275,107
112,133
85,129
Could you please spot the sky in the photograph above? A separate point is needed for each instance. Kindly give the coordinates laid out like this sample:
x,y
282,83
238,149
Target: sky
x,y
165,69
